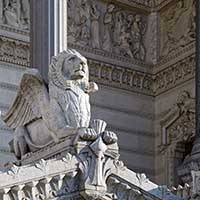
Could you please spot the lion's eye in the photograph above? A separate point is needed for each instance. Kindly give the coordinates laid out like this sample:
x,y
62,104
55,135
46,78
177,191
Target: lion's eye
x,y
72,58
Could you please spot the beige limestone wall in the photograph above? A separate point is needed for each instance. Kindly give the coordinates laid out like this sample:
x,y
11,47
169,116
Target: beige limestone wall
x,y
130,115
10,76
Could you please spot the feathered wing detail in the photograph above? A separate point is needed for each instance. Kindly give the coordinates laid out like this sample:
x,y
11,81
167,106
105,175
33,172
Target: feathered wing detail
x,y
31,101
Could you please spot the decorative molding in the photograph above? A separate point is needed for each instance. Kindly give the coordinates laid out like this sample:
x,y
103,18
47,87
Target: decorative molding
x,y
14,30
188,50
5,150
144,5
4,129
125,60
178,73
160,4
12,67
14,51
120,77
110,75
9,86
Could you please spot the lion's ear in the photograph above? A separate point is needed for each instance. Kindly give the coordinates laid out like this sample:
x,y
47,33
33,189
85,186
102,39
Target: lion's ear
x,y
93,87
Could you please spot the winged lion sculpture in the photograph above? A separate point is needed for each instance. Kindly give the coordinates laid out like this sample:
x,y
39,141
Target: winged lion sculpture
x,y
42,114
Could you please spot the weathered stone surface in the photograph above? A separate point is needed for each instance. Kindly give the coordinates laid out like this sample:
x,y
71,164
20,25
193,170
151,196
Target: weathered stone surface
x,y
92,171
15,13
56,111
135,95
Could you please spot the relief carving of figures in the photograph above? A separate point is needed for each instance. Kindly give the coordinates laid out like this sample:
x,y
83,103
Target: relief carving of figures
x,y
108,28
83,22
122,31
137,31
95,15
12,12
119,25
15,13
25,13
71,22
124,43
177,26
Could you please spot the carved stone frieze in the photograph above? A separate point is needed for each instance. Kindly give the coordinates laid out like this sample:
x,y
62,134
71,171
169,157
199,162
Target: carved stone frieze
x,y
107,27
14,51
177,27
178,73
15,13
17,52
149,3
120,77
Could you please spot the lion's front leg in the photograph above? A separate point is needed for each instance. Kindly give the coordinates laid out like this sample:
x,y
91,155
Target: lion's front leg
x,y
88,134
19,145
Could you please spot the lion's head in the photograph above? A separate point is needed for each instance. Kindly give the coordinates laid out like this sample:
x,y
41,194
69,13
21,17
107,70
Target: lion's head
x,y
68,66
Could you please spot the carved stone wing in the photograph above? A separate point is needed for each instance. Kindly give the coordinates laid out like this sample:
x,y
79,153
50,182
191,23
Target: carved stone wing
x,y
31,100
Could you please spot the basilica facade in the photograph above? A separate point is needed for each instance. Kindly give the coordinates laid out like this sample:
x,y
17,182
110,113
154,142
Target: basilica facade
x,y
142,55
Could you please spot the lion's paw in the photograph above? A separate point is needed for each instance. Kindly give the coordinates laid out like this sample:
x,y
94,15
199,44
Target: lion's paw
x,y
109,137
88,134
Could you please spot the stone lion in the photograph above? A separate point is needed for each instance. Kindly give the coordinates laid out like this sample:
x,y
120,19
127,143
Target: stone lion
x,y
43,114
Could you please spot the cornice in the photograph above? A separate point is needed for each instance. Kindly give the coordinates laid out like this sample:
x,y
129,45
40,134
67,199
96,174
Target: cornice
x,y
120,77
14,30
175,56
142,5
160,4
4,129
5,150
174,75
140,78
9,86
14,51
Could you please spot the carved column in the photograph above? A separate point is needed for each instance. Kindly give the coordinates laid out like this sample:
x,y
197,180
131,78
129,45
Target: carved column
x,y
48,32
